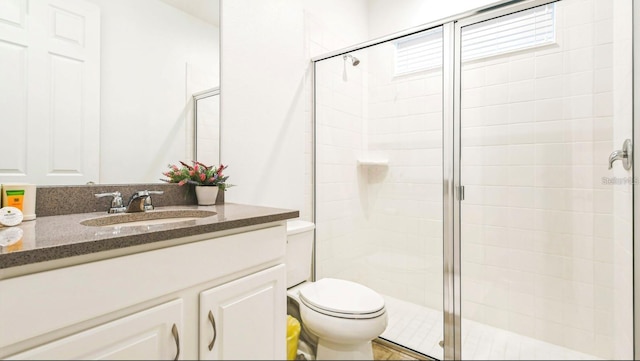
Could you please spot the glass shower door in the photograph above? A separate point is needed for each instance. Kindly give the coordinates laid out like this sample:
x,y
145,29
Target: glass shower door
x,y
378,122
546,224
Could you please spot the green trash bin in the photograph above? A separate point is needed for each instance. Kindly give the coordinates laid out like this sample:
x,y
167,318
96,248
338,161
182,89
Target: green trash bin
x,y
293,333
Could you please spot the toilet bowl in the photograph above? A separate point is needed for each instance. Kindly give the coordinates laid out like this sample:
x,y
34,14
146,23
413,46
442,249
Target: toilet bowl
x,y
342,317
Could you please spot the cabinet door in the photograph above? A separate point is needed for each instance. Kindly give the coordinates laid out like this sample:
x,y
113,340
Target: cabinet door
x,y
152,334
245,319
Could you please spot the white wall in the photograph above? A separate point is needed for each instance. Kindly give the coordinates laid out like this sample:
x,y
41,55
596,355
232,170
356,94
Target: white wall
x,y
387,17
146,45
266,90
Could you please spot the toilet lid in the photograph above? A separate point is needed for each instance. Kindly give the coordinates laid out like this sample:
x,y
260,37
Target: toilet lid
x,y
342,298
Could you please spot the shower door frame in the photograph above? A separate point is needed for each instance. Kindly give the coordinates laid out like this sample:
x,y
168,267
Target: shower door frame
x,y
451,97
452,224
454,200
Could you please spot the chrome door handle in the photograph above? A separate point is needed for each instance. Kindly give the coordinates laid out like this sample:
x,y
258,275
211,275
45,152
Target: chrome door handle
x,y
176,337
625,155
215,333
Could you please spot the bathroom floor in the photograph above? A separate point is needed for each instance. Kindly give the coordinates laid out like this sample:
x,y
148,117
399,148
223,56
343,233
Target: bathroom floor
x,y
420,328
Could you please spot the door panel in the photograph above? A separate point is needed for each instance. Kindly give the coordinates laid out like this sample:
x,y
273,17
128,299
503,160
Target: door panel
x,y
545,224
53,49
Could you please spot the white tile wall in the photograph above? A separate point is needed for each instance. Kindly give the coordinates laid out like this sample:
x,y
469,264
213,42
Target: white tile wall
x,y
544,240
390,237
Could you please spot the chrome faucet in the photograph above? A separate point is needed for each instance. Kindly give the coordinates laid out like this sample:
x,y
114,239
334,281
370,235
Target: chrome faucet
x,y
116,202
141,201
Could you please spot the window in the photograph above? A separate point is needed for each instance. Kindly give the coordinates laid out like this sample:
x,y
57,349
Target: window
x,y
518,31
418,52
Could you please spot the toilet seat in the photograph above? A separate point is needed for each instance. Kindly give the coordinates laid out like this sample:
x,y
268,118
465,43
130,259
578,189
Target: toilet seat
x,y
343,299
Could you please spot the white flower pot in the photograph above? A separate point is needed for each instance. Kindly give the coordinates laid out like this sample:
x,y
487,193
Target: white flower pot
x,y
206,195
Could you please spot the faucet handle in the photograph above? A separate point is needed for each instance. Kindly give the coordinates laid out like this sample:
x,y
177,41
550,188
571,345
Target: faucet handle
x,y
624,154
116,202
146,193
148,206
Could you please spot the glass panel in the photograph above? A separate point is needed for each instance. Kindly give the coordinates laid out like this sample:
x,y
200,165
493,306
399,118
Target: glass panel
x,y
379,186
545,226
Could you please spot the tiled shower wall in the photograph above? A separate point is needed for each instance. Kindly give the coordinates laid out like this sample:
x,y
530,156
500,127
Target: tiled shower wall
x,y
622,329
340,212
538,243
404,198
380,225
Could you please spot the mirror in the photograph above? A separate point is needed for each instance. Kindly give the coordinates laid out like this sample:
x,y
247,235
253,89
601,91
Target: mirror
x,y
112,99
207,126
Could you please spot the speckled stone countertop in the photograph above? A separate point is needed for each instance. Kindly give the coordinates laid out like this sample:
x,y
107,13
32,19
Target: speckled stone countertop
x,y
59,236
55,237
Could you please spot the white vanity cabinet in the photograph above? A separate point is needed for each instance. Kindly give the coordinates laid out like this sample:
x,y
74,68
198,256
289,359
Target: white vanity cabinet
x,y
244,309
155,304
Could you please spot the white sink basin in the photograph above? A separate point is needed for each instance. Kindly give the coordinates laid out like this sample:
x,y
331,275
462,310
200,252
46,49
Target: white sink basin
x,y
147,218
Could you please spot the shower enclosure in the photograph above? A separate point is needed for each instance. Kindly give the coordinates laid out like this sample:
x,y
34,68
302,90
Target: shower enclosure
x,y
466,171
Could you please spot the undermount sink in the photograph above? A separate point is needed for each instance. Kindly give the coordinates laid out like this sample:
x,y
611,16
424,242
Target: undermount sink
x,y
148,218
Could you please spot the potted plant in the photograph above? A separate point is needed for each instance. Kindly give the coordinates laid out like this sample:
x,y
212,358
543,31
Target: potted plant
x,y
208,180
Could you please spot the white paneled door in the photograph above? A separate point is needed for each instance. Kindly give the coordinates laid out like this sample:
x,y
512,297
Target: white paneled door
x,y
50,92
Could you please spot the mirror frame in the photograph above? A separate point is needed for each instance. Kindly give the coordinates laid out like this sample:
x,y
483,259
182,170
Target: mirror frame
x,y
198,96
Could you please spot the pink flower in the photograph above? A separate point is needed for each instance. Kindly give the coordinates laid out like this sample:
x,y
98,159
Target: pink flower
x,y
197,173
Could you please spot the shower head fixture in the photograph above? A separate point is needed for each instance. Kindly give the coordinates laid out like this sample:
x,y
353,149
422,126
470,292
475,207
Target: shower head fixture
x,y
354,61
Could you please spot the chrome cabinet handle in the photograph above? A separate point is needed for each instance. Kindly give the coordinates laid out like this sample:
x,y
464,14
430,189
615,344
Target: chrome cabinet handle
x,y
215,333
625,155
176,337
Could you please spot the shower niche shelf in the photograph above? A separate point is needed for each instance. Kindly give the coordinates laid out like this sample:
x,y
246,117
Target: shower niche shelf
x,y
372,162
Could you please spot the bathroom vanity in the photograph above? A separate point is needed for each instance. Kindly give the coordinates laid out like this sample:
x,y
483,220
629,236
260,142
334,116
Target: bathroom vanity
x,y
205,288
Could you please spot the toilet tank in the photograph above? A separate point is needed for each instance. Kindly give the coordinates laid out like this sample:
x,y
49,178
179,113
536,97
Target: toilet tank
x,y
299,251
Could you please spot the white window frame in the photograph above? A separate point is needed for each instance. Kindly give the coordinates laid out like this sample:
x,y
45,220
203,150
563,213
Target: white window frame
x,y
519,31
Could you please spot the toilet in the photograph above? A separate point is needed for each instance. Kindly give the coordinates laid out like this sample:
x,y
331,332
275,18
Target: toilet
x,y
341,317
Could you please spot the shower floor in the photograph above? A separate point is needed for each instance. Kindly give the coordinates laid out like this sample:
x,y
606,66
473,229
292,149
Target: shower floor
x,y
420,329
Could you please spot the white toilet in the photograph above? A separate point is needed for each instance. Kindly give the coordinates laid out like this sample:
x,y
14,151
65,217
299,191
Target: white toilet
x,y
342,316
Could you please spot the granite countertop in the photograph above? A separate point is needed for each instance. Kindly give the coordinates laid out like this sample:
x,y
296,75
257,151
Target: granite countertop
x,y
60,236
